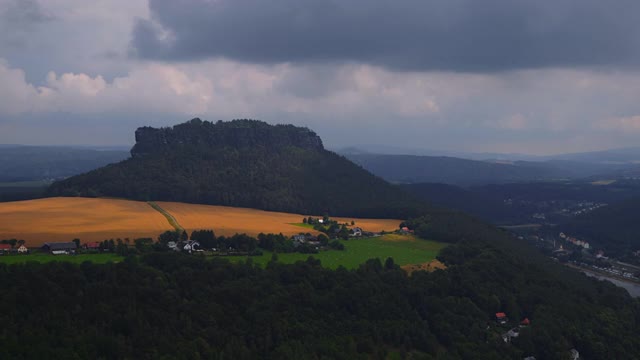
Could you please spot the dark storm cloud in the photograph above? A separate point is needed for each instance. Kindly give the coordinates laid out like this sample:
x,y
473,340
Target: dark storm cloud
x,y
25,13
459,35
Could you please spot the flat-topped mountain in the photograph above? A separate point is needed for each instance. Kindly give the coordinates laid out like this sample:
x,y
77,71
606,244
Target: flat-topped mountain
x,y
245,163
204,136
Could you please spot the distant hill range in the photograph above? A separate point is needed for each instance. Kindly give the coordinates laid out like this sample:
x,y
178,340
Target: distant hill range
x,y
629,155
19,163
515,203
408,169
245,163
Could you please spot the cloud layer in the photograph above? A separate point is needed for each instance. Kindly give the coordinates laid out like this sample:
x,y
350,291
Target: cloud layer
x,y
494,75
457,35
537,110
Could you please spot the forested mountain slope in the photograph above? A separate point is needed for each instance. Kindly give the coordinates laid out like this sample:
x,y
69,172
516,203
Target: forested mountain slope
x,y
243,163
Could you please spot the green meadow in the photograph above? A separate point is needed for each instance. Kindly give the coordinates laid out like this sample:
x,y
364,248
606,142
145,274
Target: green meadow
x,y
45,257
403,249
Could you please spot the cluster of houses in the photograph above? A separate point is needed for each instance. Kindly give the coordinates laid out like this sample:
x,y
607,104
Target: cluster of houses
x,y
502,319
8,249
187,246
574,241
305,239
312,240
54,248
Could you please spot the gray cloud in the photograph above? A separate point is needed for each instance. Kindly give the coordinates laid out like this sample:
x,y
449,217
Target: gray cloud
x,y
18,19
457,35
25,13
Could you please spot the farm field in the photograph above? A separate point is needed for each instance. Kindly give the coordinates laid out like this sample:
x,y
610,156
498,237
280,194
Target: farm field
x,y
405,250
45,258
63,219
231,220
91,219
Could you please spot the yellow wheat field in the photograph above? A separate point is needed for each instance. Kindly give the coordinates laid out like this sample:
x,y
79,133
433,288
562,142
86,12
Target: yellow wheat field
x,y
231,220
63,219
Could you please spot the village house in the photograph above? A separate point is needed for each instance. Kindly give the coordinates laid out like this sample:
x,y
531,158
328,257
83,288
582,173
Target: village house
x,y
501,318
300,238
60,248
190,245
303,238
511,334
92,246
23,249
356,231
5,248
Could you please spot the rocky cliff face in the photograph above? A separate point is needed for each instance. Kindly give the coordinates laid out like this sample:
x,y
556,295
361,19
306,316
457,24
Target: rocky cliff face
x,y
198,135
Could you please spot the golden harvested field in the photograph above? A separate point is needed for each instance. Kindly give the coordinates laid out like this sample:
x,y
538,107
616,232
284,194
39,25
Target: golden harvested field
x,y
63,219
230,220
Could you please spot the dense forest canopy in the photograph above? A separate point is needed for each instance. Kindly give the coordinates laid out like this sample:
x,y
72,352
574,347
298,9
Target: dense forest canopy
x,y
244,163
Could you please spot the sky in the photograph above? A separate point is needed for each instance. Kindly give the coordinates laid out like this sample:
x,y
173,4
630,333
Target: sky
x,y
510,76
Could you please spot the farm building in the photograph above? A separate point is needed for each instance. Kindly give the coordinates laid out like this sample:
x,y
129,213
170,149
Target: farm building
x,y
501,318
92,245
60,248
23,249
5,248
191,245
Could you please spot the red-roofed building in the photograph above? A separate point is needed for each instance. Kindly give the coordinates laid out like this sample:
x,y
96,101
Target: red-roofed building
x,y
5,247
525,322
92,246
502,318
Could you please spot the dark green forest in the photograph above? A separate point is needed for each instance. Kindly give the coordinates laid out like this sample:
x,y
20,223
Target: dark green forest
x,y
172,306
243,163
